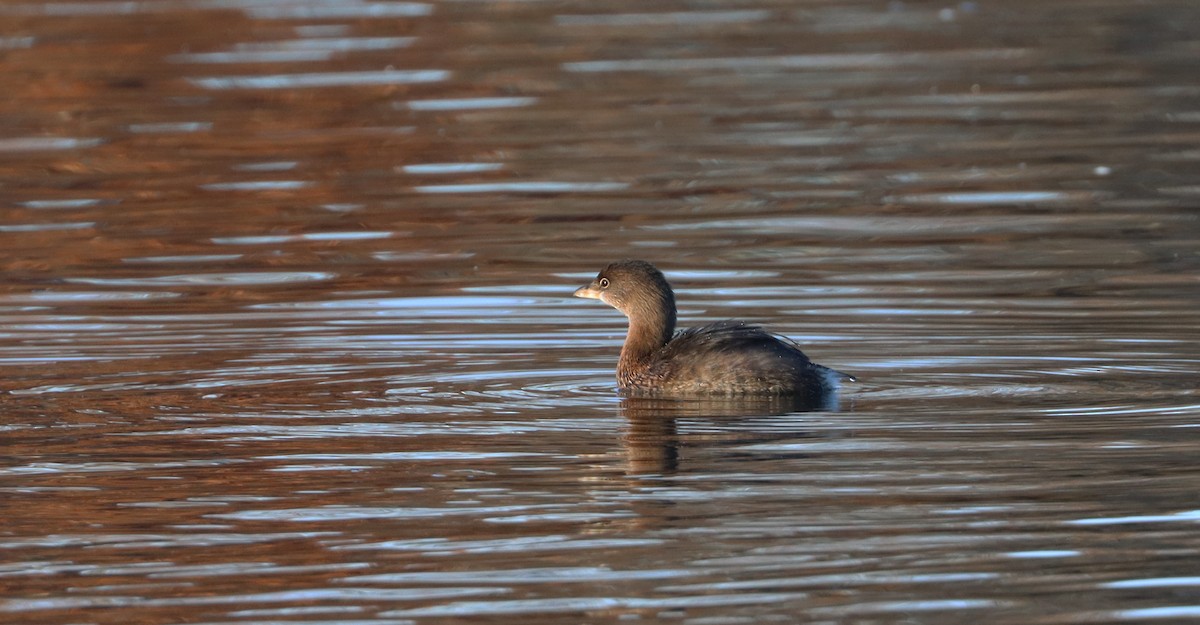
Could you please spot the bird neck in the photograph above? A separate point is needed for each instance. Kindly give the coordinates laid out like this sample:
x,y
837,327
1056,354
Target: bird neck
x,y
649,330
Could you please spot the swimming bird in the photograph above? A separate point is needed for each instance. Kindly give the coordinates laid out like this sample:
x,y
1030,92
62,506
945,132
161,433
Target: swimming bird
x,y
723,358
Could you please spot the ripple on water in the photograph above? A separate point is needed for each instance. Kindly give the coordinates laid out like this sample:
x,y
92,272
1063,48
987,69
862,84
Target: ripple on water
x,y
47,227
353,513
397,429
61,204
848,580
354,9
1165,612
84,297
16,43
1156,582
267,166
363,235
524,187
40,144
322,79
212,279
190,258
1187,516
392,257
588,604
286,596
162,128
1044,554
259,185
167,570
994,197
516,544
140,541
685,274
65,468
674,18
466,306
558,575
802,61
253,56
915,606
293,50
466,104
410,456
894,227
450,168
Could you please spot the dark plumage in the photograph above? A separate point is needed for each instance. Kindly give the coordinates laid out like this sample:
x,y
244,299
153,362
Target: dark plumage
x,y
725,358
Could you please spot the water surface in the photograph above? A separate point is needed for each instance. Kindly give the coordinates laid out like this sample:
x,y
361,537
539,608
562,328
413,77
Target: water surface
x,y
286,332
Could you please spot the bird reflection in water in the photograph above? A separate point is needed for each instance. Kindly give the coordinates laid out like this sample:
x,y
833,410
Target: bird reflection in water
x,y
652,441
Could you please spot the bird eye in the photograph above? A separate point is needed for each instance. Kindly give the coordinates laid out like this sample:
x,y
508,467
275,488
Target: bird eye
x,y
604,283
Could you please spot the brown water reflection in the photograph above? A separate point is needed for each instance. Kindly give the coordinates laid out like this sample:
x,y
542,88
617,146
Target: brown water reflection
x,y
287,336
651,437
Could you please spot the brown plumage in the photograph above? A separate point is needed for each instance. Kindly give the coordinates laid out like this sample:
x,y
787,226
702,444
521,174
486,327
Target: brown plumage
x,y
724,358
